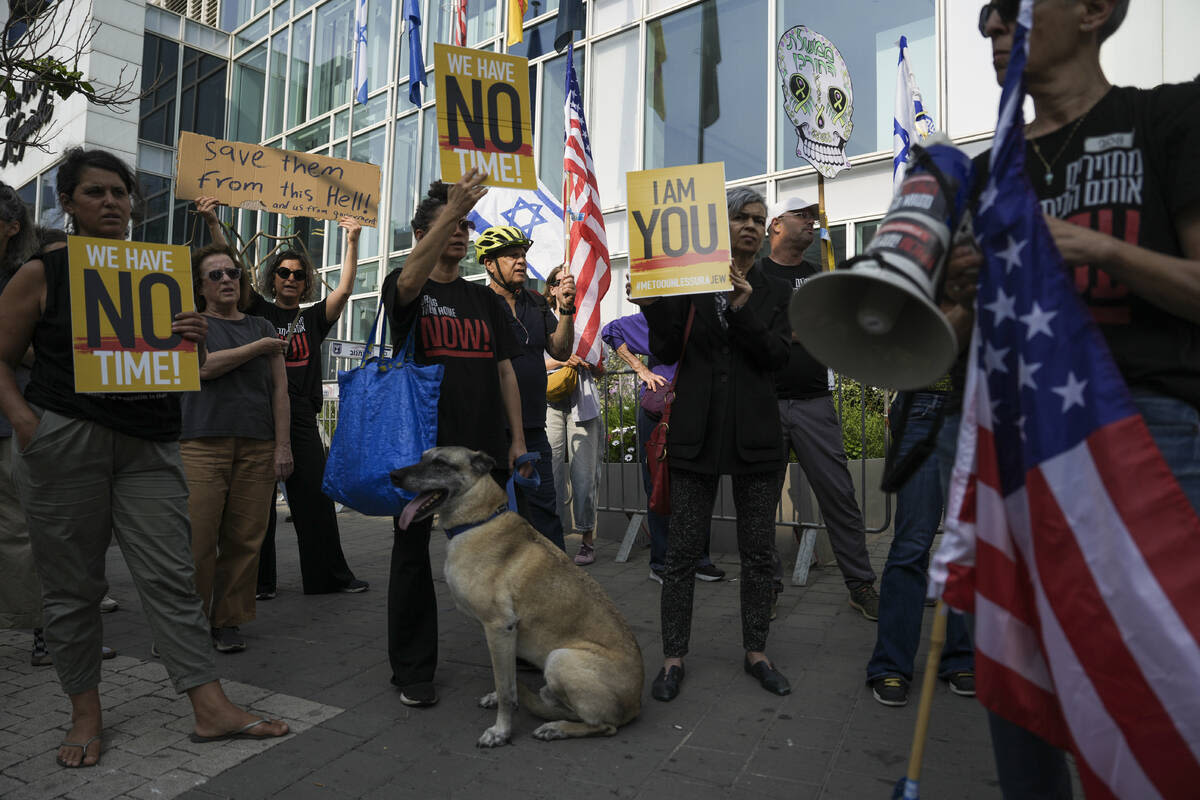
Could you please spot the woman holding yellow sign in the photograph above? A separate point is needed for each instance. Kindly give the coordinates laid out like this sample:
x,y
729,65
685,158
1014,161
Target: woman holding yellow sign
x,y
89,466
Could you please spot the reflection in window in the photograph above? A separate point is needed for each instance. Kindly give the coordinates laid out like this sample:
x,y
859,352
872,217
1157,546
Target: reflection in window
x,y
614,136
431,165
481,24
370,149
367,278
698,101
160,71
550,131
276,98
538,41
404,183
298,91
156,205
52,216
202,94
837,234
311,138
379,38
864,232
333,56
867,43
246,99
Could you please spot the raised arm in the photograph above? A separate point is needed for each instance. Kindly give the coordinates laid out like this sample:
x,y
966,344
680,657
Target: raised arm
x,y
206,207
461,198
336,301
559,343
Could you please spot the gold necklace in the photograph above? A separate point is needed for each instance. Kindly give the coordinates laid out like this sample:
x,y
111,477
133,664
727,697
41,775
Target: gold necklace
x,y
1049,165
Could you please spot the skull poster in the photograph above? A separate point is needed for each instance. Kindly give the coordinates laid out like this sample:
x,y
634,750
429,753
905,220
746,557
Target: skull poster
x,y
817,97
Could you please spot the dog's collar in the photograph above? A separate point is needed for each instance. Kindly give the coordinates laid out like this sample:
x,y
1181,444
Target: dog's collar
x,y
457,529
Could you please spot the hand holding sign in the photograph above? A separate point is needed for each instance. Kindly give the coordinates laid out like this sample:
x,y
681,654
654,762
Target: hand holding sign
x,y
352,228
191,325
741,289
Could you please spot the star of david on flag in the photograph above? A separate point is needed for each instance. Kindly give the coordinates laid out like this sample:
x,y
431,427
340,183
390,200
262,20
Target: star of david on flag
x,y
1067,534
537,213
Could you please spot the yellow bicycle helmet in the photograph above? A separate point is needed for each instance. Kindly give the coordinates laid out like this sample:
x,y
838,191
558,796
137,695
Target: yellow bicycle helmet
x,y
500,237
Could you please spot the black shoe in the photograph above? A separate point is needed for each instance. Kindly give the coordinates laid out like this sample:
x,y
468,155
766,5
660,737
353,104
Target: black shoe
x,y
865,600
355,586
962,683
710,572
228,640
771,679
419,695
666,685
890,690
265,593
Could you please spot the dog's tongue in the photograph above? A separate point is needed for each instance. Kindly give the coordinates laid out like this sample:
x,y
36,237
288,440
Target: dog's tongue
x,y
410,510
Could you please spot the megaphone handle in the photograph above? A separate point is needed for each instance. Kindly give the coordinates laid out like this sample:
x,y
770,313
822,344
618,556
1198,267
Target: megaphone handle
x,y
826,243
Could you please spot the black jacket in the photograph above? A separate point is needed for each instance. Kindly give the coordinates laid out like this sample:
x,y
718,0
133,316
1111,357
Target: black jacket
x,y
725,418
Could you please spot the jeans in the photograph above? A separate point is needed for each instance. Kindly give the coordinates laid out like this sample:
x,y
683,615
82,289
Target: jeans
x,y
576,449
540,507
902,590
1027,765
658,523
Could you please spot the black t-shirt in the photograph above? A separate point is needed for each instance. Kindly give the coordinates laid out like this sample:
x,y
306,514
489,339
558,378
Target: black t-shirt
x,y
532,326
145,415
1130,170
303,359
465,327
804,377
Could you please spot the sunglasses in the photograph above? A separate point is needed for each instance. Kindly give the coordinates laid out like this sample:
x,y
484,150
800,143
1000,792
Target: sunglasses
x,y
215,275
465,224
285,273
1007,9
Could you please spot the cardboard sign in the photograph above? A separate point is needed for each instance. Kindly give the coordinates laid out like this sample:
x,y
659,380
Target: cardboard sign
x,y
124,297
678,231
483,116
281,181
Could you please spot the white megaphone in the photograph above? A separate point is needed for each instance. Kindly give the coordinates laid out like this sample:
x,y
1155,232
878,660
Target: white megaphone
x,y
875,318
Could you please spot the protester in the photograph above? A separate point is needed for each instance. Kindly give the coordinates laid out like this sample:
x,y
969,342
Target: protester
x,y
810,423
1117,171
291,281
724,421
629,336
919,504
501,250
479,395
234,444
89,466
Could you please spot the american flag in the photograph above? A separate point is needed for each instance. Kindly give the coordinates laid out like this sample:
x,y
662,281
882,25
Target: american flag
x,y
588,243
1067,535
460,23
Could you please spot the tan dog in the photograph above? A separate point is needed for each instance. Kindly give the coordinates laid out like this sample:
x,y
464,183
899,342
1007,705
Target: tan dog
x,y
533,603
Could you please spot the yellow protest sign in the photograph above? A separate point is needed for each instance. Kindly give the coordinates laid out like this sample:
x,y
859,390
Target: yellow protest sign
x,y
678,231
483,116
124,296
283,181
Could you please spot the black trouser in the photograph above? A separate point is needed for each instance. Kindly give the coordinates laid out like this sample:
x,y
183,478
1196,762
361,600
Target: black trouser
x,y
323,566
412,602
540,505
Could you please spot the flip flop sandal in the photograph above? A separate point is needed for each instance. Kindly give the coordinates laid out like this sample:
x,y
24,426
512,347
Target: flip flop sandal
x,y
84,748
241,733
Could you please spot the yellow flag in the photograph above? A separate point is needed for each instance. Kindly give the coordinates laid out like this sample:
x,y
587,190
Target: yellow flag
x,y
516,18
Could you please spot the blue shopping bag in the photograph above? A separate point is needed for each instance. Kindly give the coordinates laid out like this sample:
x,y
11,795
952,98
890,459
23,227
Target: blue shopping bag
x,y
387,417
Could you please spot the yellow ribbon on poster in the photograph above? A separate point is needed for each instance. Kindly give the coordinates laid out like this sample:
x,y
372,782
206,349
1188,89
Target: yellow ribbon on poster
x,y
483,116
124,297
678,231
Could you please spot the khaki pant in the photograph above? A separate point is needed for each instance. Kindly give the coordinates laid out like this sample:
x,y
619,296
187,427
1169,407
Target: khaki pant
x,y
20,590
81,483
230,484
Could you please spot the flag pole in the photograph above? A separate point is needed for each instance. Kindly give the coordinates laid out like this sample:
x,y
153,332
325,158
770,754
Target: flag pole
x,y
567,187
826,242
907,787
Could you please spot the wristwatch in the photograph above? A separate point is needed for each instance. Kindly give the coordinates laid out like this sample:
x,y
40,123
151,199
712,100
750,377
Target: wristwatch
x,y
570,310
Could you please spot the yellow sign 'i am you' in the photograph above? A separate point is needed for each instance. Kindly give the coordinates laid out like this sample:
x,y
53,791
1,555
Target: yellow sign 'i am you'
x,y
124,297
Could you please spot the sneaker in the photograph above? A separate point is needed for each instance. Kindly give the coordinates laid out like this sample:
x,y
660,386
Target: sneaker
x,y
265,594
419,695
890,690
710,572
656,574
586,554
962,683
228,640
40,657
107,652
355,586
154,650
865,600
108,605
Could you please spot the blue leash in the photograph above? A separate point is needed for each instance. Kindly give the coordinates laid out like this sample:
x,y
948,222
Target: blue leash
x,y
518,479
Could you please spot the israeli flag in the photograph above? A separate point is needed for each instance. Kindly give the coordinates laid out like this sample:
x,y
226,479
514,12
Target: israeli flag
x,y
911,123
360,51
539,215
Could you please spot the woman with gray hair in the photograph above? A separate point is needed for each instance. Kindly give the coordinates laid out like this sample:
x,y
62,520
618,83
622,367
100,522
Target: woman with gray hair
x,y
724,421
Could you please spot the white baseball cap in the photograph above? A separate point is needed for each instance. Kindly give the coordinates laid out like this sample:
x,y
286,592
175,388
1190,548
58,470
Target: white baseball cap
x,y
786,205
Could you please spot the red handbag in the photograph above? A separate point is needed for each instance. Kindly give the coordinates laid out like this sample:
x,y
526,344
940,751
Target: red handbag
x,y
656,445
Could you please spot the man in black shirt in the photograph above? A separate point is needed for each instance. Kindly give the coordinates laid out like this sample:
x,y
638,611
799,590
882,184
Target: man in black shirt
x,y
810,424
501,250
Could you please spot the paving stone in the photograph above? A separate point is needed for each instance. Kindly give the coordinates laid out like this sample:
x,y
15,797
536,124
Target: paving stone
x,y
152,741
56,784
169,784
106,786
160,762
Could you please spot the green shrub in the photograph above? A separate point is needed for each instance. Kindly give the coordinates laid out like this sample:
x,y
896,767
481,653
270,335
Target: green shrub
x,y
853,399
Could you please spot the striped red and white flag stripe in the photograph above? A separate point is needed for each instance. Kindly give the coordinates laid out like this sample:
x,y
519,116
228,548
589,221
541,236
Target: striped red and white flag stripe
x,y
588,242
460,23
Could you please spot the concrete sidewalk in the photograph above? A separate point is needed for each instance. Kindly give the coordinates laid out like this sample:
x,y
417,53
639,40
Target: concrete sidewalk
x,y
320,662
